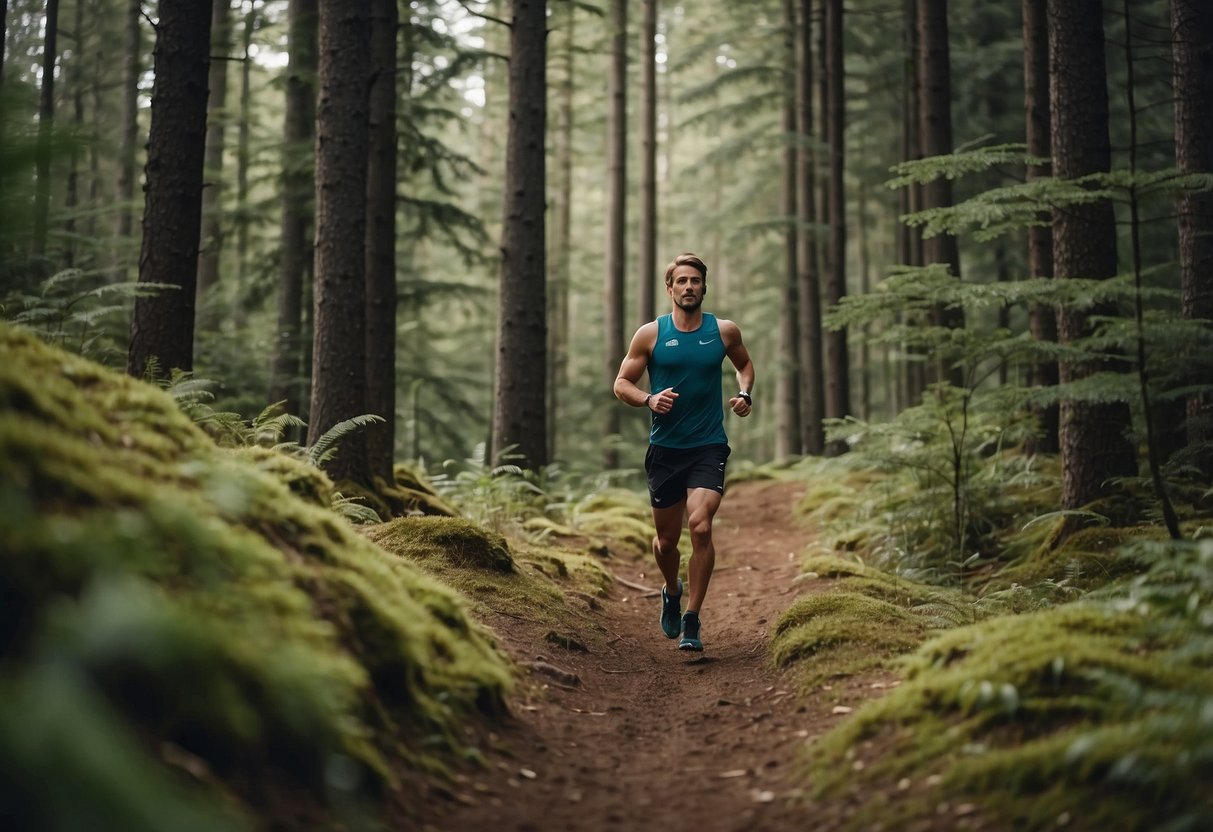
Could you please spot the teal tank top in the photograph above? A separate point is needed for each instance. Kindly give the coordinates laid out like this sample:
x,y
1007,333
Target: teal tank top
x,y
690,363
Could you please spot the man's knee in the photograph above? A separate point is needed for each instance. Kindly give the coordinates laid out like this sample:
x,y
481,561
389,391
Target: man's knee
x,y
700,526
666,544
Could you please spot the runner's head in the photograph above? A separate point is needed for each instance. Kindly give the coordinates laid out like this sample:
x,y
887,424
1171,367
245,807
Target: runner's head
x,y
686,259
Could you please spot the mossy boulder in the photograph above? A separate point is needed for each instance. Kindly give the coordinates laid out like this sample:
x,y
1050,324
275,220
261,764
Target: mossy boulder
x,y
460,542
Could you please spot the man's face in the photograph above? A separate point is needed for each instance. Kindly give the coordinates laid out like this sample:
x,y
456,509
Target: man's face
x,y
687,288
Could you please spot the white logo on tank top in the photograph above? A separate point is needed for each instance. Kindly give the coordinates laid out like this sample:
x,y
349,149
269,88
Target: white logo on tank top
x,y
673,342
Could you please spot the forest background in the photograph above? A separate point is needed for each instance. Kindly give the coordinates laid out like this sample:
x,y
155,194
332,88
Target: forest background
x,y
767,137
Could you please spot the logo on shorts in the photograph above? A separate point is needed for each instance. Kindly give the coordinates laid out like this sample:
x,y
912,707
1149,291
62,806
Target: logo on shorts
x,y
673,342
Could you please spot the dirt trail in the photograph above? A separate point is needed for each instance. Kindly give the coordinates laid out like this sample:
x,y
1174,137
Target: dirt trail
x,y
654,738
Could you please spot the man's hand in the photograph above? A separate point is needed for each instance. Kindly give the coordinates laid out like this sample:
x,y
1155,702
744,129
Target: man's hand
x,y
740,406
663,402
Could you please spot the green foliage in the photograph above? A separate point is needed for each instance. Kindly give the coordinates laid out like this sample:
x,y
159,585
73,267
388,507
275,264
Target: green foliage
x,y
80,311
949,484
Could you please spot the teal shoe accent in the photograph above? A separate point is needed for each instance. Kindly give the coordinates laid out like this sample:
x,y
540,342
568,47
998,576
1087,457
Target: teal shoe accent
x,y
671,612
690,633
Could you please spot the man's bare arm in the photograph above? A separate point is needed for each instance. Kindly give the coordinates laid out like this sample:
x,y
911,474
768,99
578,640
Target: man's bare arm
x,y
736,350
634,364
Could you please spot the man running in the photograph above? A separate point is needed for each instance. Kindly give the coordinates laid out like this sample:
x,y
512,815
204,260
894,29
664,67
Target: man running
x,y
688,449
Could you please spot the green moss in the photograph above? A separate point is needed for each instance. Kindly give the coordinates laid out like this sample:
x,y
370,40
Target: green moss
x,y
1089,558
537,588
458,541
1035,716
850,632
212,603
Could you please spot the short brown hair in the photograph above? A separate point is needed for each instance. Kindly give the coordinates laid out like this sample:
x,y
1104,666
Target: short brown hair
x,y
685,259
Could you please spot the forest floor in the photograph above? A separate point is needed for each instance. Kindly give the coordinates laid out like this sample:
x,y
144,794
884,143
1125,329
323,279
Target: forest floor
x,y
648,737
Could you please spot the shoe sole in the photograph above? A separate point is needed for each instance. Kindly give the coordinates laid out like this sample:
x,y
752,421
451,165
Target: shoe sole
x,y
693,648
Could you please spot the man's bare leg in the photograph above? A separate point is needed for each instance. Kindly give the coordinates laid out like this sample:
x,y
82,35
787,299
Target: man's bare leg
x,y
702,504
668,523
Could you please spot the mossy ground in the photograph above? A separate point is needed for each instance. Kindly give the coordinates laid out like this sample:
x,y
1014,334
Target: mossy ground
x,y
546,585
1068,687
201,641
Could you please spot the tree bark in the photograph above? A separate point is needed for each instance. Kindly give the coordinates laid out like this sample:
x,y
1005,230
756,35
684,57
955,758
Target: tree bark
x,y
1042,321
838,385
935,86
915,376
559,259
616,248
162,327
812,368
647,236
519,429
342,143
46,122
131,51
381,241
286,378
216,124
787,376
79,85
243,161
1094,444
1192,53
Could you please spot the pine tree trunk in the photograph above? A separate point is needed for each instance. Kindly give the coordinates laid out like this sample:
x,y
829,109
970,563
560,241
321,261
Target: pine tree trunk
x,y
865,287
1192,52
838,381
212,192
243,162
812,367
559,260
342,143
915,377
519,430
647,232
1042,321
132,48
935,86
787,376
79,85
616,248
381,241
1094,444
162,326
295,246
46,122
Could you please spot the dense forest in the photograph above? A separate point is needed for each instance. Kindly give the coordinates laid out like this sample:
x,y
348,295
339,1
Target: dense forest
x,y
831,171
353,255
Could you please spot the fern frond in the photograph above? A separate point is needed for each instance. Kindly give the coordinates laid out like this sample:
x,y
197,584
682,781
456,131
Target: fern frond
x,y
325,447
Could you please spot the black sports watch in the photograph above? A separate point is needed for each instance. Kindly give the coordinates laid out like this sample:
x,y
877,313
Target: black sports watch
x,y
744,395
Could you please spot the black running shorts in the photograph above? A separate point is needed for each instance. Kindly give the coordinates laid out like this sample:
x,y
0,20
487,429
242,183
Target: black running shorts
x,y
672,471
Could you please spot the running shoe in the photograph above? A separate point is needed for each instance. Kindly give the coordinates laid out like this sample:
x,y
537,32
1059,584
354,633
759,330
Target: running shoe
x,y
690,633
671,612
